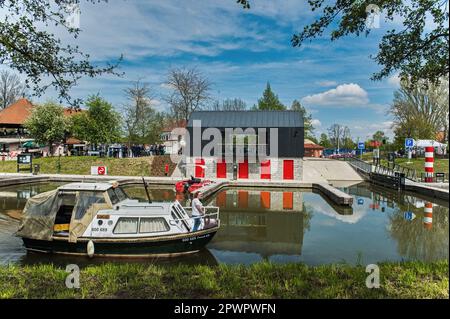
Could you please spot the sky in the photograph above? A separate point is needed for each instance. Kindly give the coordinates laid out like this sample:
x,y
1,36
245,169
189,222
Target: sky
x,y
239,51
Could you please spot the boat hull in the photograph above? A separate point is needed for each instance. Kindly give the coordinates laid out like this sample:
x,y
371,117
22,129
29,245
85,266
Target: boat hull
x,y
130,247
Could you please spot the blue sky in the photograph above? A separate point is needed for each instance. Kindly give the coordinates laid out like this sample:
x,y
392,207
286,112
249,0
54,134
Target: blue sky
x,y
239,51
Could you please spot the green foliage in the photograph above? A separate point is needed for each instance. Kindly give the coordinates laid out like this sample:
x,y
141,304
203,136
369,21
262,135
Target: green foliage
x,y
28,45
420,110
47,123
379,136
100,124
269,100
324,141
417,51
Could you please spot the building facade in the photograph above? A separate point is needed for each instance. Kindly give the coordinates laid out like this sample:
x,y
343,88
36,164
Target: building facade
x,y
266,145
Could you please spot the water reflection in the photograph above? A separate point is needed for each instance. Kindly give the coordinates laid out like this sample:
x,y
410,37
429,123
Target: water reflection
x,y
280,226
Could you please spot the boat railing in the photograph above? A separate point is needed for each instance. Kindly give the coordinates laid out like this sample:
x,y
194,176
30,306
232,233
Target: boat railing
x,y
210,213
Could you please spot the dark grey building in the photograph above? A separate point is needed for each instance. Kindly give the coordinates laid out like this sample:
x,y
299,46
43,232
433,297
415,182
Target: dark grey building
x,y
245,144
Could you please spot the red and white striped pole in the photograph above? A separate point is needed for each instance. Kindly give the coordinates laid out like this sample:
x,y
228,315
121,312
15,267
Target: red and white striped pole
x,y
429,164
428,215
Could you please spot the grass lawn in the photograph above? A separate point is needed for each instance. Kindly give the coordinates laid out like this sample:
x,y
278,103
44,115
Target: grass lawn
x,y
81,165
261,280
440,165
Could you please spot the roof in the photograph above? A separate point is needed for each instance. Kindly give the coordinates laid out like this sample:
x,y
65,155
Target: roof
x,y
16,113
86,187
174,124
244,119
308,144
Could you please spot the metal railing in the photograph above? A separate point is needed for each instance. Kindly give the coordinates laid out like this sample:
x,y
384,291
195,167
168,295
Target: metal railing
x,y
358,163
210,218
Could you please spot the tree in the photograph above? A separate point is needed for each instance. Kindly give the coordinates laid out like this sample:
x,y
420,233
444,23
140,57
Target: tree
x,y
11,88
419,110
139,113
28,45
307,119
378,136
189,92
340,137
269,100
229,105
416,50
324,141
99,124
47,124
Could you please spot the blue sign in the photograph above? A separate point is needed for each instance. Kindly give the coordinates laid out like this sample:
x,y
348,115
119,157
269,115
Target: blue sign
x,y
360,201
409,142
409,216
361,145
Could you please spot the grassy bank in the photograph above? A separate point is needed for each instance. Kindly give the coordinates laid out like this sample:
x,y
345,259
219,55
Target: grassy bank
x,y
262,280
440,165
81,165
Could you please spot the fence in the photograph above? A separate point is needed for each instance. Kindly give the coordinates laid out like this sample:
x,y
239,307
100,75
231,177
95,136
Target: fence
x,y
359,164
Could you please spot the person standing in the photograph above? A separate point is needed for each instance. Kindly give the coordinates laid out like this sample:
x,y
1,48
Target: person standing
x,y
197,211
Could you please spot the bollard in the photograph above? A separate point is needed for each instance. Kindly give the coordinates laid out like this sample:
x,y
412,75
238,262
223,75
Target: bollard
x,y
429,164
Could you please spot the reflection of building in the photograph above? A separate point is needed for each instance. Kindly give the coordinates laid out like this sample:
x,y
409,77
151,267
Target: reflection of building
x,y
268,223
245,145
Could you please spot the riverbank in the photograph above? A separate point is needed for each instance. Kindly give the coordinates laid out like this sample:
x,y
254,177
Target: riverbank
x,y
81,165
261,280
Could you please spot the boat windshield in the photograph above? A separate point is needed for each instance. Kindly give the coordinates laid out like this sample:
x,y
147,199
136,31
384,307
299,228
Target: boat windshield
x,y
116,195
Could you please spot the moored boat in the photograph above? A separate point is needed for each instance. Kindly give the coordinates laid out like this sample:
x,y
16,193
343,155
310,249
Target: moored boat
x,y
98,219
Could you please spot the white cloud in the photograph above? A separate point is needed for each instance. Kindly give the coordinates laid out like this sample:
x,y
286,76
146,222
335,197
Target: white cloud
x,y
343,95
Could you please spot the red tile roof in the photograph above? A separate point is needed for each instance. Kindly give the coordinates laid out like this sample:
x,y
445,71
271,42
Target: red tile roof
x,y
16,113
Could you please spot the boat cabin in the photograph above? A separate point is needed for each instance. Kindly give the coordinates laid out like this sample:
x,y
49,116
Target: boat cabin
x,y
100,210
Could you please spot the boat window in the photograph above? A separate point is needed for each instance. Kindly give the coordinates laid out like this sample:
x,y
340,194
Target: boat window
x,y
153,225
126,225
116,195
85,201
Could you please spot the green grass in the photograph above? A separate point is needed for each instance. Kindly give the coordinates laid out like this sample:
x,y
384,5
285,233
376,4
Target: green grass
x,y
81,165
440,165
261,280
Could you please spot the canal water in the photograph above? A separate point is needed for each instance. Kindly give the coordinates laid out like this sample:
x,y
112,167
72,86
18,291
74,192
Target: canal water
x,y
280,226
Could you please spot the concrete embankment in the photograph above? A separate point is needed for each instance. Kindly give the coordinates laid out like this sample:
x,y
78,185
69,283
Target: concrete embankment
x,y
336,196
427,190
322,170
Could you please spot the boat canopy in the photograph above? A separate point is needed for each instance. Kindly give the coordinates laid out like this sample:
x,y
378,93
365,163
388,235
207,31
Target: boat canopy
x,y
41,210
39,216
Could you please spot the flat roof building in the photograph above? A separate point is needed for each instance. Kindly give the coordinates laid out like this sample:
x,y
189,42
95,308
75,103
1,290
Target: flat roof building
x,y
245,144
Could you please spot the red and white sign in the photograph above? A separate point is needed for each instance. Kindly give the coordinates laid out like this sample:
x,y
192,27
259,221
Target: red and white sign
x,y
99,170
